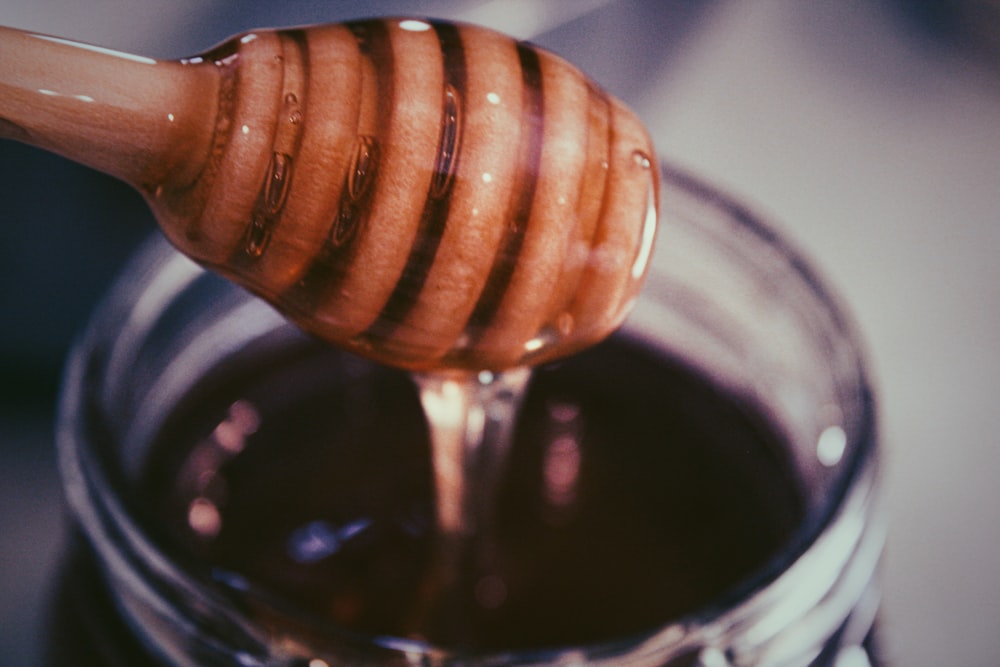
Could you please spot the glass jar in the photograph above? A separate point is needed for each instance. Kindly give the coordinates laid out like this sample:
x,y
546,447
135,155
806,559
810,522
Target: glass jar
x,y
726,295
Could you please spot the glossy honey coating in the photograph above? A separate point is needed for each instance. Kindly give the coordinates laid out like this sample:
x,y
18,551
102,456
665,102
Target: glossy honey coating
x,y
427,194
424,193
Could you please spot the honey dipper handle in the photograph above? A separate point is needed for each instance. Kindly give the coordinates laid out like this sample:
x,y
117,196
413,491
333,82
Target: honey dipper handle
x,y
135,118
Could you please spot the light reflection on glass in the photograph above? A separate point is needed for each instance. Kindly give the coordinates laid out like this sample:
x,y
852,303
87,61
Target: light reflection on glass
x,y
852,656
713,657
561,466
831,445
242,421
320,539
200,473
204,517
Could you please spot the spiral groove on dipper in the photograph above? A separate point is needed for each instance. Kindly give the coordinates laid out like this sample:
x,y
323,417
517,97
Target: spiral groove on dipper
x,y
437,205
285,146
425,193
526,181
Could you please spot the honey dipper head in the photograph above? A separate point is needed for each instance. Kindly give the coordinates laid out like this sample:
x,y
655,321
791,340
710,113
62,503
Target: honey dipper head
x,y
430,195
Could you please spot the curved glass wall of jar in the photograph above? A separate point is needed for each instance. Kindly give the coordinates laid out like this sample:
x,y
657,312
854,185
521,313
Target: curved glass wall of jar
x,y
726,294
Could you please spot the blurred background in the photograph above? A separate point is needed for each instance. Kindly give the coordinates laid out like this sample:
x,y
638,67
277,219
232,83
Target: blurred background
x,y
868,131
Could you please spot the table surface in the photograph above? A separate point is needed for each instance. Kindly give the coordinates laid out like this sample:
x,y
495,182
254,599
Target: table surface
x,y
870,132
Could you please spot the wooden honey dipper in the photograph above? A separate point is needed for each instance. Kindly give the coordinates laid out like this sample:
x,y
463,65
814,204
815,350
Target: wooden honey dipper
x,y
427,194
